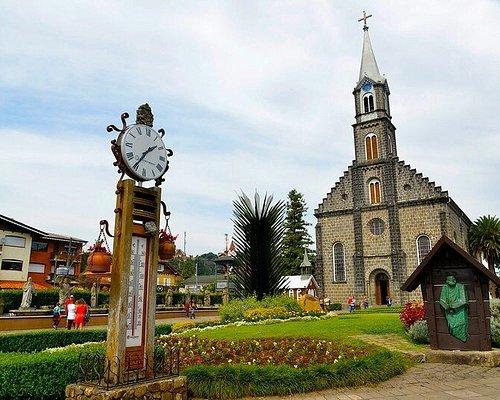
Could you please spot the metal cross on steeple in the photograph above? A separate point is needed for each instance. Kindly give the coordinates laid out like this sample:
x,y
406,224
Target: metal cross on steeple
x,y
365,17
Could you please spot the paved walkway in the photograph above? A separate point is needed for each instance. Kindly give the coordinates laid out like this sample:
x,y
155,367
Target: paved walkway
x,y
425,381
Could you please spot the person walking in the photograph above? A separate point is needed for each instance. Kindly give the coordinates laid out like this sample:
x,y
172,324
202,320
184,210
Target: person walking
x,y
70,312
351,303
81,308
365,303
192,310
56,316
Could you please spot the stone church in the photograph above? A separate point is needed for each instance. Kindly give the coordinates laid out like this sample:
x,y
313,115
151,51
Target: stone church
x,y
382,217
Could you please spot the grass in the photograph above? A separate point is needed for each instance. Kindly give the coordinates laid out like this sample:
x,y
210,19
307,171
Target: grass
x,y
337,328
234,381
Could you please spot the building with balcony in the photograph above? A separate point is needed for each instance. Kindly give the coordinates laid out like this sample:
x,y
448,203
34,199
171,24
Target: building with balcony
x,y
26,251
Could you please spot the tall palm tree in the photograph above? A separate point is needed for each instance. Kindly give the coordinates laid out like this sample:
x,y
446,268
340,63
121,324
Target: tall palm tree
x,y
258,240
484,241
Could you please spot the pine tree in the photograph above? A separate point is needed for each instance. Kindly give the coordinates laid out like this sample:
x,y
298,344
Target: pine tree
x,y
296,237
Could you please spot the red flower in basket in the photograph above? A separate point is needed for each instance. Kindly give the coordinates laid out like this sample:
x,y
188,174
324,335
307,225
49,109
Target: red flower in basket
x,y
166,247
167,236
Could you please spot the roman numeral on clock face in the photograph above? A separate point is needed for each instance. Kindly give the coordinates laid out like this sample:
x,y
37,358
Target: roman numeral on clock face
x,y
128,144
159,167
130,155
144,172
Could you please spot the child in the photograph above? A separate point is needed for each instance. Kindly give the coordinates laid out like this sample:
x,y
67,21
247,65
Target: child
x,y
56,316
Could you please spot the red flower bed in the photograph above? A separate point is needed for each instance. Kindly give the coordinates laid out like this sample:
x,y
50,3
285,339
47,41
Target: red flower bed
x,y
412,312
295,352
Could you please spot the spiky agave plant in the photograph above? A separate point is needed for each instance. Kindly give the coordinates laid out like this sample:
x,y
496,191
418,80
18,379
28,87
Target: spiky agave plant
x,y
258,238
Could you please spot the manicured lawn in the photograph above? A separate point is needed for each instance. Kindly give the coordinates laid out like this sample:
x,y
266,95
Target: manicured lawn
x,y
336,328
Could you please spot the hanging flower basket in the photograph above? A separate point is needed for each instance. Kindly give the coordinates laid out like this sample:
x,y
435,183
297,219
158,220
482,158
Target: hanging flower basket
x,y
99,259
166,245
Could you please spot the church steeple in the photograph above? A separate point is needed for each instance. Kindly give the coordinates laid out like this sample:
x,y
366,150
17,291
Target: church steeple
x,y
371,98
369,68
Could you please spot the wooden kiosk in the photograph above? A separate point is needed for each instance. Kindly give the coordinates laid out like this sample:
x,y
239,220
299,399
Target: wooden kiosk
x,y
444,260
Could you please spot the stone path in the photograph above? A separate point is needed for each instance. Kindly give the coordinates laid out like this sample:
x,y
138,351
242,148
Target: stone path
x,y
429,381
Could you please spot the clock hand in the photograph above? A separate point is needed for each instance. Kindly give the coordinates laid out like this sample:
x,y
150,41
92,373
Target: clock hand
x,y
144,155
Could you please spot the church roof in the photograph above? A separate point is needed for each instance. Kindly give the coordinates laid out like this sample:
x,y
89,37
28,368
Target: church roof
x,y
298,281
369,68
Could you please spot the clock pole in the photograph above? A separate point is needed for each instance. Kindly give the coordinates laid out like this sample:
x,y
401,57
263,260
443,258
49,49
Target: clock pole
x,y
132,305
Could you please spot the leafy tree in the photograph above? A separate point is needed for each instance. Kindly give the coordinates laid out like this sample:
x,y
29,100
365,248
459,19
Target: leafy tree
x,y
296,238
484,241
185,265
258,238
206,265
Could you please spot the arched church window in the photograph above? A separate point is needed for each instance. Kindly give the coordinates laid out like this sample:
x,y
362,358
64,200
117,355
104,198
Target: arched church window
x,y
375,191
368,103
371,144
338,262
423,247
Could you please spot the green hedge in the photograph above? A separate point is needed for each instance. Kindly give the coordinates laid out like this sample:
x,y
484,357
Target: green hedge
x,y
21,377
40,340
40,375
231,382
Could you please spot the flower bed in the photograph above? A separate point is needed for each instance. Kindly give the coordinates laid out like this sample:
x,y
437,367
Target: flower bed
x,y
291,351
412,312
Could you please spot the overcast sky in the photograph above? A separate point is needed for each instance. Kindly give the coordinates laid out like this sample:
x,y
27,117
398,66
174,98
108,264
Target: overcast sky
x,y
253,95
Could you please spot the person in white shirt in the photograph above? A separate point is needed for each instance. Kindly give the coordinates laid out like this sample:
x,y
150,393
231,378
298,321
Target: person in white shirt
x,y
70,313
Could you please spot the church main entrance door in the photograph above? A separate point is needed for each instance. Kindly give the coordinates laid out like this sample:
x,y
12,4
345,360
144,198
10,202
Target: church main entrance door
x,y
381,287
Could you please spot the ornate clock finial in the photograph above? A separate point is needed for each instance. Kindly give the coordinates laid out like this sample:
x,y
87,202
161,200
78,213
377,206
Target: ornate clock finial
x,y
144,115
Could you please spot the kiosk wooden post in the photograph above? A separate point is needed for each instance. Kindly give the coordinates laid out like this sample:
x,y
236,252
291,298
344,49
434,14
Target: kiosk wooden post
x,y
130,344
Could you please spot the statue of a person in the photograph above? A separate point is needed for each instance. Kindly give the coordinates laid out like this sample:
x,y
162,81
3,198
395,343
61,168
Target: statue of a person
x,y
93,295
64,291
225,296
454,300
206,298
169,297
28,291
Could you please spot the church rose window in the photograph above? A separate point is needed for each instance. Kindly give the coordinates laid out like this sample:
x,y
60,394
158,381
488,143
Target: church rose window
x,y
338,263
423,247
376,226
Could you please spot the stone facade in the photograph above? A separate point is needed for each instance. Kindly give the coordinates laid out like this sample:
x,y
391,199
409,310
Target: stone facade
x,y
159,389
381,211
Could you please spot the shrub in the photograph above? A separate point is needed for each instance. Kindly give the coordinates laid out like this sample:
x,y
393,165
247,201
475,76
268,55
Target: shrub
x,y
231,382
257,314
495,322
41,375
419,332
182,326
414,311
235,309
336,306
287,302
495,308
36,341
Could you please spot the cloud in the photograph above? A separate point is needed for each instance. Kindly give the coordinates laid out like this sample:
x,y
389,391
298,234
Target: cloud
x,y
253,96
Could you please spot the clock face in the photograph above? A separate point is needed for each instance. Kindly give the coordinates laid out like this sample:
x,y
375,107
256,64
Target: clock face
x,y
143,153
367,86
